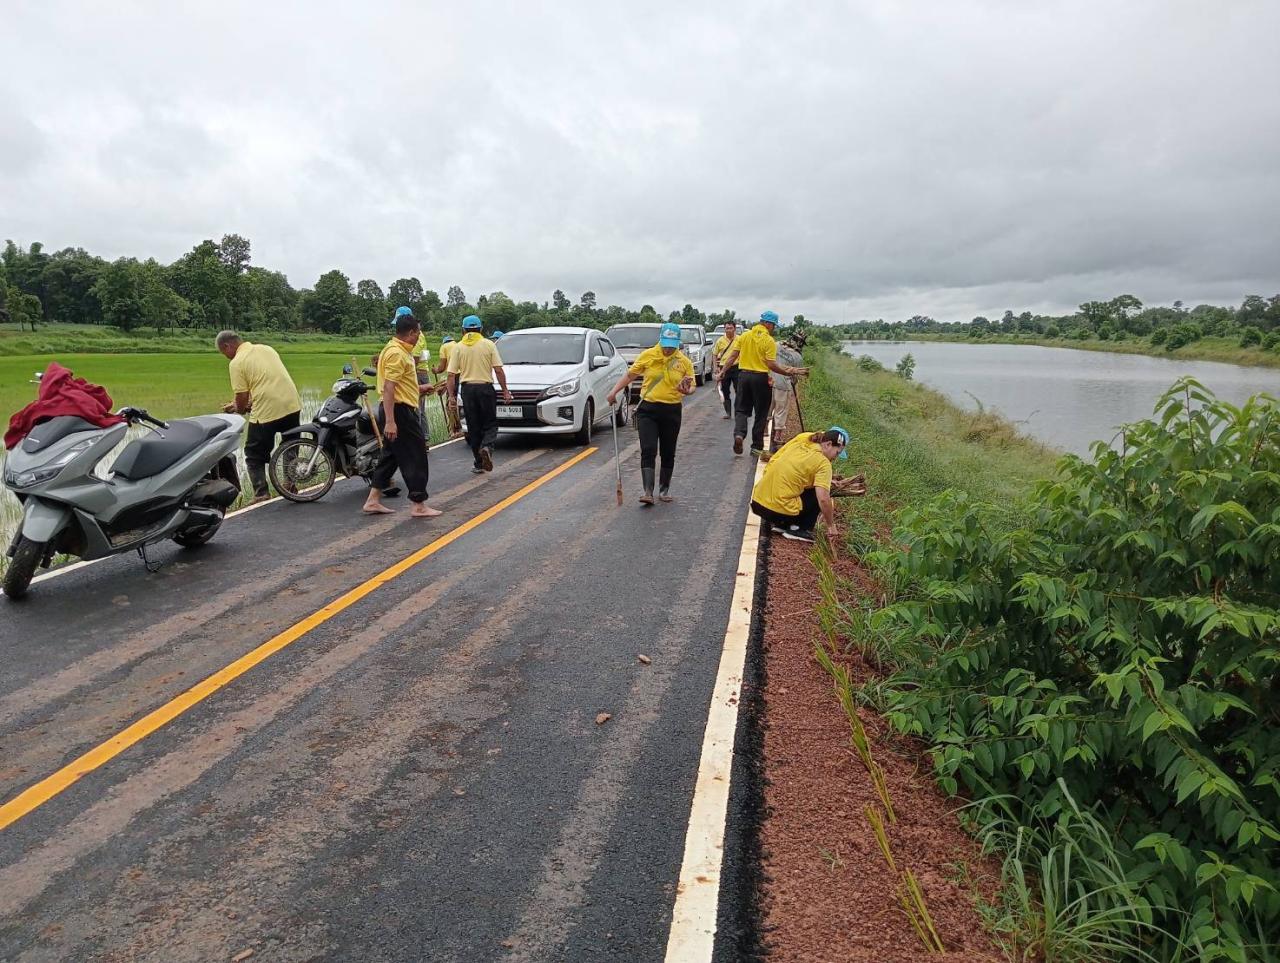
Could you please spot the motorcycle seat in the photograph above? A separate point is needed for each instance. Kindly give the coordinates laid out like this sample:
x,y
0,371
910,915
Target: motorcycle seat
x,y
164,447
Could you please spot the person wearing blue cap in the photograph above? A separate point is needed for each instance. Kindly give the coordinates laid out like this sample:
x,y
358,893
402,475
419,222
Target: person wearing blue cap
x,y
497,336
404,443
474,363
666,374
756,355
796,485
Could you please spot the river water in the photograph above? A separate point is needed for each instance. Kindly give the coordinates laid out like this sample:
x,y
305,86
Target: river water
x,y
1064,397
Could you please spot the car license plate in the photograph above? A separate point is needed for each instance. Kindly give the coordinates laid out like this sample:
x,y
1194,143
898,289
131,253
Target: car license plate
x,y
510,411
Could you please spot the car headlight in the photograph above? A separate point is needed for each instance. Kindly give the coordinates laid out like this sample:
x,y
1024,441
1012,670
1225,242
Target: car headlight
x,y
562,390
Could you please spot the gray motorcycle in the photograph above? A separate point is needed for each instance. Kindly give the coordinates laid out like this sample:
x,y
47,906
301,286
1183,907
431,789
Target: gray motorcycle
x,y
175,482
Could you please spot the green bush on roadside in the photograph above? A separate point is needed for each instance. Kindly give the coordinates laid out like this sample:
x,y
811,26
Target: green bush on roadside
x,y
1121,651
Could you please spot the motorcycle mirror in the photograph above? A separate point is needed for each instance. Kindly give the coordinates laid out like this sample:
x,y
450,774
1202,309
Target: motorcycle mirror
x,y
371,372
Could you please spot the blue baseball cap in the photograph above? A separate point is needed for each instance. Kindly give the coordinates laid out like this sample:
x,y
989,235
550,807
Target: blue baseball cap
x,y
472,322
497,335
769,317
447,337
844,440
669,336
400,313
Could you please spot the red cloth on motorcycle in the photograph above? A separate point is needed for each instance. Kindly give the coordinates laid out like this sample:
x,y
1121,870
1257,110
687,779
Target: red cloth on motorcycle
x,y
62,393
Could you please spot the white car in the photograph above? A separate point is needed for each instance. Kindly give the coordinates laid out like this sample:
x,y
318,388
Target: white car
x,y
559,379
693,342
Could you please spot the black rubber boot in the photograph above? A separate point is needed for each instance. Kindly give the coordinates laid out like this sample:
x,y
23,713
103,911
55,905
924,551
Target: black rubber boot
x,y
646,479
258,479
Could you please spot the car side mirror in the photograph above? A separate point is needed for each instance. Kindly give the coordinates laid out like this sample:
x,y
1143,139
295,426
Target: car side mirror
x,y
599,361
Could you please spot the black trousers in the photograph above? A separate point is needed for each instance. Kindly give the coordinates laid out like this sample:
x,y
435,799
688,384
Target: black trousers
x,y
480,405
754,398
258,444
805,521
728,386
658,424
408,452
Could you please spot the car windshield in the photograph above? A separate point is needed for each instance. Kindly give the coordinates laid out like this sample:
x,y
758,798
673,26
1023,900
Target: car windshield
x,y
549,348
641,336
690,336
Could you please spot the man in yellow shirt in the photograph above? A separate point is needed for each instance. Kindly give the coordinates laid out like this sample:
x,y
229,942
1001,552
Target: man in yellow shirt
x,y
756,355
474,362
404,444
796,485
263,390
666,377
726,378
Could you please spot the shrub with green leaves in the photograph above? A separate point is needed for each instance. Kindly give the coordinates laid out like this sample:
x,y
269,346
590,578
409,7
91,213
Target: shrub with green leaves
x,y
1123,647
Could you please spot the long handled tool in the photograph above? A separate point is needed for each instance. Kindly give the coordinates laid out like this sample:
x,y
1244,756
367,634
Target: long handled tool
x,y
368,406
444,412
796,396
617,457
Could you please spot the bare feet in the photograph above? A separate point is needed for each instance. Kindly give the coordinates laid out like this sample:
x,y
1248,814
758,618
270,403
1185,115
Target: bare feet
x,y
373,506
423,510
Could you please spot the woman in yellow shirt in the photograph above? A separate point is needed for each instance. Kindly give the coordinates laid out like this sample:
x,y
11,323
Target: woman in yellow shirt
x,y
667,376
796,485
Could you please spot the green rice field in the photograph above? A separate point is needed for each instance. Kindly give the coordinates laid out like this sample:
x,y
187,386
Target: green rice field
x,y
177,385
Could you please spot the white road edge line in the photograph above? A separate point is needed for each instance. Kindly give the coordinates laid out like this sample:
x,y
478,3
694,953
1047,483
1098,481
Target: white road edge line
x,y
693,920
64,569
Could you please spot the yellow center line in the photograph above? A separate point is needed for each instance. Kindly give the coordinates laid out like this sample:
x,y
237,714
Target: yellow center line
x,y
52,785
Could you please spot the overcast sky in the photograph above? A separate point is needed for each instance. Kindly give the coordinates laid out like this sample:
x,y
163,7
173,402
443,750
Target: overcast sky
x,y
876,159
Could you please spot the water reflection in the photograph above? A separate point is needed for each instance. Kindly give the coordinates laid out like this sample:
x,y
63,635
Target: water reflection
x,y
1064,397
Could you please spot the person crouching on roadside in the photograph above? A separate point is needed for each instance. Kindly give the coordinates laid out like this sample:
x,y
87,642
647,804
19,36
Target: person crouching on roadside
x,y
404,444
667,376
796,485
266,394
475,362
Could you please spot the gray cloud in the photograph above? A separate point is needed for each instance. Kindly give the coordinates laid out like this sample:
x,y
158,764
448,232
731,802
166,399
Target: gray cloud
x,y
845,160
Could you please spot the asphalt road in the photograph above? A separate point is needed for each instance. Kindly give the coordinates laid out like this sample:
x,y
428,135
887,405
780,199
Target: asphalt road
x,y
420,776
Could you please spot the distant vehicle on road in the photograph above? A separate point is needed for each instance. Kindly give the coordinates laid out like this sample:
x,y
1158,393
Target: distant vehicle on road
x,y
630,340
558,378
693,342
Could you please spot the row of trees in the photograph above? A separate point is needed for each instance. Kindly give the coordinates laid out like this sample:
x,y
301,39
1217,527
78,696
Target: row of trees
x,y
1255,322
214,285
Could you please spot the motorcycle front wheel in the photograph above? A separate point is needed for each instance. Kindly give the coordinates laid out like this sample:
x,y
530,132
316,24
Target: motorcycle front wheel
x,y
301,471
22,567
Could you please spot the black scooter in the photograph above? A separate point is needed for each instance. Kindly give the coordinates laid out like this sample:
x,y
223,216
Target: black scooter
x,y
341,439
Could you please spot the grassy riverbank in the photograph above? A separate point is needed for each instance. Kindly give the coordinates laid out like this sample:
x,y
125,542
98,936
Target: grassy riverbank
x,y
913,443
1226,350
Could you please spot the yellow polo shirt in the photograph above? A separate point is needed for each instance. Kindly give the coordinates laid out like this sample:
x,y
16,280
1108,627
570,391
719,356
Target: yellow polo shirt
x,y
724,347
257,369
797,465
661,374
755,348
446,349
395,364
473,359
